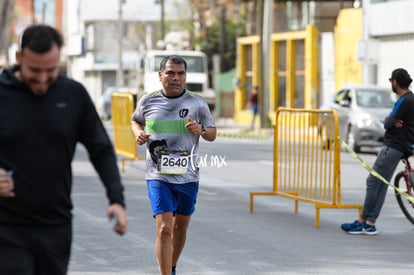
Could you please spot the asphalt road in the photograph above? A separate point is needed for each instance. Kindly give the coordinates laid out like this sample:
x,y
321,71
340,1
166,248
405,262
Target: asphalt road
x,y
224,237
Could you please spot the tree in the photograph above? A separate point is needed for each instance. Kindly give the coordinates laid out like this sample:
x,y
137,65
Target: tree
x,y
211,43
216,26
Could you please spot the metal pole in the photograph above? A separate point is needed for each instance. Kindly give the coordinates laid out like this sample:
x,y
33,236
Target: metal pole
x,y
366,66
162,20
266,10
6,14
222,36
44,7
120,70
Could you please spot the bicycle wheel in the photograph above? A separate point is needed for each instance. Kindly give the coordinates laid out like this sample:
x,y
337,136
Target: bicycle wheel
x,y
406,206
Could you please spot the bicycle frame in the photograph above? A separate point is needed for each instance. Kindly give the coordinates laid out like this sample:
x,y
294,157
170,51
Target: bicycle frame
x,y
407,177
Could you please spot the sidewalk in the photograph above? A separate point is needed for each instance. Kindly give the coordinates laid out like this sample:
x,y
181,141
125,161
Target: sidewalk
x,y
227,127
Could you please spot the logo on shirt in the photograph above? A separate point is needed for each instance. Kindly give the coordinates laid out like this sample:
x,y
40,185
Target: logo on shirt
x,y
61,105
183,113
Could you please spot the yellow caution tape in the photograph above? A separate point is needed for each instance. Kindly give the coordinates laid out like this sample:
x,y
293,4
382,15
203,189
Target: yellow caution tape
x,y
373,172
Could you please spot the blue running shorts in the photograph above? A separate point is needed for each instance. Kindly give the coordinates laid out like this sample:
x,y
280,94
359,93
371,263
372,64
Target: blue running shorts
x,y
172,197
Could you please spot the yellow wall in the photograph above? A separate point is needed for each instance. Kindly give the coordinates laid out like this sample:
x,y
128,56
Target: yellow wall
x,y
248,67
348,31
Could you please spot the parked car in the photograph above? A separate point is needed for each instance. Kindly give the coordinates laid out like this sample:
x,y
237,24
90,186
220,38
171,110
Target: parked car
x,y
104,103
361,111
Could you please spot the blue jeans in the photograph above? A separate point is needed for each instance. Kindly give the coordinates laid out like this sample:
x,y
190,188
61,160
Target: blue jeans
x,y
385,164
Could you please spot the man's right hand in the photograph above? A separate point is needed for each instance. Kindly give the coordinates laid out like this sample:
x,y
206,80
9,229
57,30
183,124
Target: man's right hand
x,y
141,137
6,184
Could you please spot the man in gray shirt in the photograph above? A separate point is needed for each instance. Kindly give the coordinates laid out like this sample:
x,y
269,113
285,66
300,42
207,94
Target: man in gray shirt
x,y
171,122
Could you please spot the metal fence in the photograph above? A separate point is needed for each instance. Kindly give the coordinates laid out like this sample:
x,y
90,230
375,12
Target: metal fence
x,y
306,159
123,105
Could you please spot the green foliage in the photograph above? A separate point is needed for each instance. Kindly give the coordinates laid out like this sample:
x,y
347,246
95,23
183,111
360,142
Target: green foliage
x,y
210,44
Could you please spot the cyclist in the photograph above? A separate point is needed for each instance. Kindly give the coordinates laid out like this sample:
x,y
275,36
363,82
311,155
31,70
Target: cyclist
x,y
398,137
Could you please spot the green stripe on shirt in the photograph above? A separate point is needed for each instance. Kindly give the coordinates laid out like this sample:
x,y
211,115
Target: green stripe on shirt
x,y
166,126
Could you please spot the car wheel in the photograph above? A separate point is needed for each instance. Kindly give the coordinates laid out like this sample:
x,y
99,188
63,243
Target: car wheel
x,y
350,139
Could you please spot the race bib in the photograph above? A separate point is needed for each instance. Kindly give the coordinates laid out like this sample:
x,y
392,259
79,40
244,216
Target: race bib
x,y
173,162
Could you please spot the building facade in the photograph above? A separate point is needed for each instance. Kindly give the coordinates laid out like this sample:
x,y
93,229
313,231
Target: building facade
x,y
389,38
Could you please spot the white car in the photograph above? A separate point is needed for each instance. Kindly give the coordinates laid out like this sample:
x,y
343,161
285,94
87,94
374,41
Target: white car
x,y
104,104
361,111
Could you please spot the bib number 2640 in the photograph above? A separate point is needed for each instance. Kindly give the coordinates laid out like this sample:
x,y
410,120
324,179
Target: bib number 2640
x,y
173,163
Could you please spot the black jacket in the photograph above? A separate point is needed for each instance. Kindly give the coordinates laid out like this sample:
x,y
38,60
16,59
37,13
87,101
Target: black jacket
x,y
402,138
38,137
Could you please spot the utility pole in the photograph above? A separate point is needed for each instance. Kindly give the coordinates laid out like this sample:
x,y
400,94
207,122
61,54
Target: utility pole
x,y
6,14
44,9
266,10
367,66
222,35
162,19
120,70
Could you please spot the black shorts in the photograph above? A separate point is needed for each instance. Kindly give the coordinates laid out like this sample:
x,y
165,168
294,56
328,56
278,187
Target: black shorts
x,y
29,250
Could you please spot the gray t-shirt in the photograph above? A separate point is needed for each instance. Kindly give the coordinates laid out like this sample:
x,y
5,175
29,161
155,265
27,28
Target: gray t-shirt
x,y
172,151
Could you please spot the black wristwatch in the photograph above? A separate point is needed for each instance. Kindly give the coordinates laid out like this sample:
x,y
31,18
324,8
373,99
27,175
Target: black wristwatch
x,y
203,130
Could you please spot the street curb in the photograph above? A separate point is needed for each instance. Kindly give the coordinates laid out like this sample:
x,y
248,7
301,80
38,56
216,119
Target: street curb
x,y
245,134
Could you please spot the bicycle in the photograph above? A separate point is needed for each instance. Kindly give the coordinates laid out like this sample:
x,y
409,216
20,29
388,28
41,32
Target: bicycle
x,y
404,181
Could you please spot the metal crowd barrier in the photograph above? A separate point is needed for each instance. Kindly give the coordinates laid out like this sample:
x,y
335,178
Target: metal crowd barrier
x,y
123,106
307,159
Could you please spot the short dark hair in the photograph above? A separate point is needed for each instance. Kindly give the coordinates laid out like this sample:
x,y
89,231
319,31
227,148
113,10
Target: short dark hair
x,y
40,38
174,59
402,77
